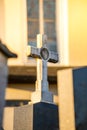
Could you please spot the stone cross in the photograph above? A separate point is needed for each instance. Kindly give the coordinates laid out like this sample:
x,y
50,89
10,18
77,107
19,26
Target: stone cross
x,y
43,56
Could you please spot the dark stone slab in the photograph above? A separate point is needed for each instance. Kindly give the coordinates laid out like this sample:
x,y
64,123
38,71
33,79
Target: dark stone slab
x,y
45,116
80,97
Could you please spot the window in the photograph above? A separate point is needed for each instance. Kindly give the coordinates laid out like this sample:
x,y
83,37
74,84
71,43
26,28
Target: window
x,y
41,19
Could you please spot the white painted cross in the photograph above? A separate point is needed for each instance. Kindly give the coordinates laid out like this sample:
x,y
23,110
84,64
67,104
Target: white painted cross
x,y
43,56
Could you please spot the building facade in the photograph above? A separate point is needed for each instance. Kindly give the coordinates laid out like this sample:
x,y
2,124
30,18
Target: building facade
x,y
61,20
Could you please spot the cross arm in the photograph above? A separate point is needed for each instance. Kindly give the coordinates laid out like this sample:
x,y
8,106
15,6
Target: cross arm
x,y
33,52
53,57
36,53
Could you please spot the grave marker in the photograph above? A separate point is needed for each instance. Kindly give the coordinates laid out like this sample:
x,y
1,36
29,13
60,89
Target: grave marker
x,y
41,113
5,53
43,56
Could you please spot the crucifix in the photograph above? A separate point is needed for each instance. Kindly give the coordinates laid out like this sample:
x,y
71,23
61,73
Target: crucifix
x,y
43,55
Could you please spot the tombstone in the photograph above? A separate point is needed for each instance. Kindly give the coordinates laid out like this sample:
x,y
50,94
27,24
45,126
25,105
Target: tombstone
x,y
5,53
73,99
41,113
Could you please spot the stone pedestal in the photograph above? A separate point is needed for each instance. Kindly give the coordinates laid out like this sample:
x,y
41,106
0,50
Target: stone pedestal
x,y
38,116
72,93
44,113
43,96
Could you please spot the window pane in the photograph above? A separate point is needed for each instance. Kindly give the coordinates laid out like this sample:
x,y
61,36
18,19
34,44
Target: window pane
x,y
33,20
52,45
33,29
50,30
49,23
49,9
32,8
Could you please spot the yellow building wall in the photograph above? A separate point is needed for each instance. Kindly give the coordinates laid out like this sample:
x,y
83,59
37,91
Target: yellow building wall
x,y
77,25
2,21
72,32
13,28
71,26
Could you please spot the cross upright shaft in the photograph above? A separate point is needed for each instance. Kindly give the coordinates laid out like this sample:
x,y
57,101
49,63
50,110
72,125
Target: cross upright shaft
x,y
43,56
41,83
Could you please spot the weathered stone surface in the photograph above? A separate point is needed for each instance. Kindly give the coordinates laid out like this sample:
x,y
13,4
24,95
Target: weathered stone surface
x,y
23,118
